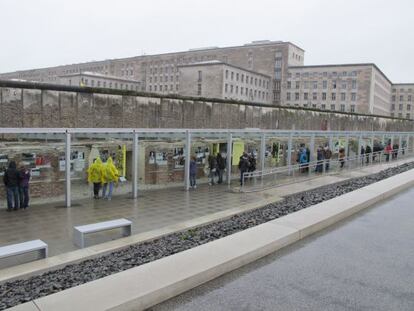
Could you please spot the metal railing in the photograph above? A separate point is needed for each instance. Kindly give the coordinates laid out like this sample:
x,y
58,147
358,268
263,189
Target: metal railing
x,y
279,176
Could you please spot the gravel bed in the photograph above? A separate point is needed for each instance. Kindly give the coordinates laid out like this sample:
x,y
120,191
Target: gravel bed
x,y
20,291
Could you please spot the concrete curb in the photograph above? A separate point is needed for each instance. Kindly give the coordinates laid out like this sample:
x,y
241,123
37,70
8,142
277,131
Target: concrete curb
x,y
147,285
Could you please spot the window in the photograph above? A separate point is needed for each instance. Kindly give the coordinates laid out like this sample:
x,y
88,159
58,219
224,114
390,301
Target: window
x,y
354,84
200,76
150,88
315,85
343,85
305,84
237,77
353,97
237,89
93,82
287,96
231,88
255,81
110,85
323,106
104,84
227,74
251,80
343,97
247,79
401,98
297,96
297,75
409,98
255,93
126,86
334,84
155,88
241,90
226,87
342,107
333,96
392,107
305,96
333,107
408,107
324,84
400,107
407,116
289,85
155,79
352,108
232,75
99,84
315,96
323,96
297,84
242,78
160,87
400,115
325,74
199,89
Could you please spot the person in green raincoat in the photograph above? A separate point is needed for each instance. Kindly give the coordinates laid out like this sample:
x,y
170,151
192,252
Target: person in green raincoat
x,y
110,177
95,175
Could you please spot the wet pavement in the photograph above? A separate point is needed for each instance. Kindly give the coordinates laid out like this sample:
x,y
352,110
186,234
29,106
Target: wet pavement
x,y
364,263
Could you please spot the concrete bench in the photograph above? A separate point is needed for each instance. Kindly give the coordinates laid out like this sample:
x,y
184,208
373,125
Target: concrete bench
x,y
80,231
25,247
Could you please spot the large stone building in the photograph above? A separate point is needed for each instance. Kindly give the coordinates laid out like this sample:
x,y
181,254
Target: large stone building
x,y
361,88
271,58
215,79
92,79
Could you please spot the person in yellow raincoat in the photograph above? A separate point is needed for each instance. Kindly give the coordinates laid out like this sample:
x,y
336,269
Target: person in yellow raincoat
x,y
109,177
95,172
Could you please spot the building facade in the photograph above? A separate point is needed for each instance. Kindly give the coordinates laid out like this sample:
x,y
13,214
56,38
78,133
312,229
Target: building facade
x,y
91,79
402,100
215,79
360,88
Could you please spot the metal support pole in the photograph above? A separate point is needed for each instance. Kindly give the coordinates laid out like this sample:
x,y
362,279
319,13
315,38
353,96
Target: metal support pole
x,y
135,165
346,146
331,143
229,156
187,160
407,144
312,148
399,144
359,159
67,170
262,152
371,156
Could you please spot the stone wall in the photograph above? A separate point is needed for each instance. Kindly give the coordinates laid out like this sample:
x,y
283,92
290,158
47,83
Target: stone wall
x,y
42,105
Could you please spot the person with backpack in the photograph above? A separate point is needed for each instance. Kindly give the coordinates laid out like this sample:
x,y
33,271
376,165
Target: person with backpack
x,y
110,176
11,180
95,175
243,166
221,165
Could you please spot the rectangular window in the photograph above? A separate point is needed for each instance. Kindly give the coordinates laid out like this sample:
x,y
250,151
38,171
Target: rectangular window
x,y
343,97
401,98
237,77
400,107
150,88
231,88
200,76
305,96
342,107
324,96
289,85
354,84
408,107
409,98
237,89
352,108
227,74
343,85
315,96
297,84
232,75
242,78
241,90
315,85
353,97
323,106
392,107
324,84
199,89
333,96
407,116
334,84
333,107
226,87
287,96
305,84
296,96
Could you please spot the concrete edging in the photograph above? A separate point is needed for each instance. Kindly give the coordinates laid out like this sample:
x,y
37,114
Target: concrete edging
x,y
147,285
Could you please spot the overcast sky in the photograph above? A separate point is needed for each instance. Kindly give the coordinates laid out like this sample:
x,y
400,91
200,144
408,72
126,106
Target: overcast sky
x,y
42,33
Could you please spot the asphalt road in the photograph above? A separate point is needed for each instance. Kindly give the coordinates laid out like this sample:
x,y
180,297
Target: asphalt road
x,y
364,263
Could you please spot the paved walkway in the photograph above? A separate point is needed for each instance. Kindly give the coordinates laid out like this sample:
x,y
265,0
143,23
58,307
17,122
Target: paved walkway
x,y
152,210
364,263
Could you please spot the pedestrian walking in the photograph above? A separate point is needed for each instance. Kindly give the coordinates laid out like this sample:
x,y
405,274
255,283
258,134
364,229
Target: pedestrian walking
x,y
11,180
341,156
212,165
110,176
367,153
328,156
193,172
24,186
387,152
95,176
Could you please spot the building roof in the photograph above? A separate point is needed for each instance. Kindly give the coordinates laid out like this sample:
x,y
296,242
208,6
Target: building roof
x,y
343,65
97,75
218,62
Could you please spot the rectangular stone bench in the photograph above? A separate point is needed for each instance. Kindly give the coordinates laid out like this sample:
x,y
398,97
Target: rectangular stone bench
x,y
25,247
80,231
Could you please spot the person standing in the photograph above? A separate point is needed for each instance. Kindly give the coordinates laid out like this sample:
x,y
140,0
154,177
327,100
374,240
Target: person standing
x,y
11,180
110,176
193,172
212,164
221,165
243,166
327,156
341,156
367,153
387,152
362,154
24,186
319,159
95,175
